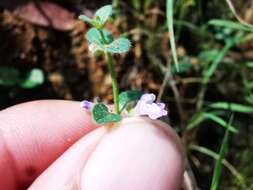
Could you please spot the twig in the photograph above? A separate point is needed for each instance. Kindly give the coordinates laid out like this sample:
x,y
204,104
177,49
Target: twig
x,y
232,8
189,182
168,78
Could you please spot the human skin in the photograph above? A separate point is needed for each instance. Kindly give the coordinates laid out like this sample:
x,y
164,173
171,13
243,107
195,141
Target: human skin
x,y
54,144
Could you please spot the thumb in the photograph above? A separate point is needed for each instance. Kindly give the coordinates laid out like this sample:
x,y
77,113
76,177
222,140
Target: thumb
x,y
139,154
64,173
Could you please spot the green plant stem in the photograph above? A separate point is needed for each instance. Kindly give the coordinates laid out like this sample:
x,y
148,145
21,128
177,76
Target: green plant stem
x,y
102,36
115,88
169,16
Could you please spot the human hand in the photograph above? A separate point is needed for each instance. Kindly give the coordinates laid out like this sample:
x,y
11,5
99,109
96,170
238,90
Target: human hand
x,y
54,145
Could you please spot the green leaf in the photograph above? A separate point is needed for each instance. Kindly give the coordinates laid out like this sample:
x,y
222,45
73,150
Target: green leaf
x,y
127,97
93,36
85,19
34,78
120,45
103,14
101,115
9,76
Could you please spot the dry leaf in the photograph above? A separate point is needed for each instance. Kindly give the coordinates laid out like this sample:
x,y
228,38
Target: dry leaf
x,y
46,14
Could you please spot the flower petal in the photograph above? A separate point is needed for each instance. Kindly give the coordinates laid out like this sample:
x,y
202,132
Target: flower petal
x,y
148,98
146,106
161,105
86,104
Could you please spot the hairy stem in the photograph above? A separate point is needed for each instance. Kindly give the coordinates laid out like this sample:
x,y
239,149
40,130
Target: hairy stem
x,y
115,88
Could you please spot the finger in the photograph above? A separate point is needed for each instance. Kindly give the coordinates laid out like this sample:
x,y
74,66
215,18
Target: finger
x,y
65,172
137,155
33,135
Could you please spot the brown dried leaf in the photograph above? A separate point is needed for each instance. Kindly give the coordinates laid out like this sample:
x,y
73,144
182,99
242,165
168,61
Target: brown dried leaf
x,y
46,14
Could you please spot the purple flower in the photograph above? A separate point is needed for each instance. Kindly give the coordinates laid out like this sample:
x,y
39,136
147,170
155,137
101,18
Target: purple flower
x,y
86,104
146,106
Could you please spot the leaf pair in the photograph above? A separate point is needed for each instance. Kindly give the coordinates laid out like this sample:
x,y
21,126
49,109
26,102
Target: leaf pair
x,y
100,39
101,113
104,41
100,18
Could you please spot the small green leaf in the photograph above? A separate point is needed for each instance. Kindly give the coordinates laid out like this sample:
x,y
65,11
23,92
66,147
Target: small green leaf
x,y
85,19
9,76
120,45
34,78
103,14
101,115
127,97
93,36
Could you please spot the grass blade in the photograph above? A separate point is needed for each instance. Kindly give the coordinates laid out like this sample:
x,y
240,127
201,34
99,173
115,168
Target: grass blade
x,y
220,121
196,120
222,152
199,118
230,24
214,65
210,71
169,15
239,177
234,107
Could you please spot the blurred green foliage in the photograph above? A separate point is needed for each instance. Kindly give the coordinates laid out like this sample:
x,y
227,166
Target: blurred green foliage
x,y
12,77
